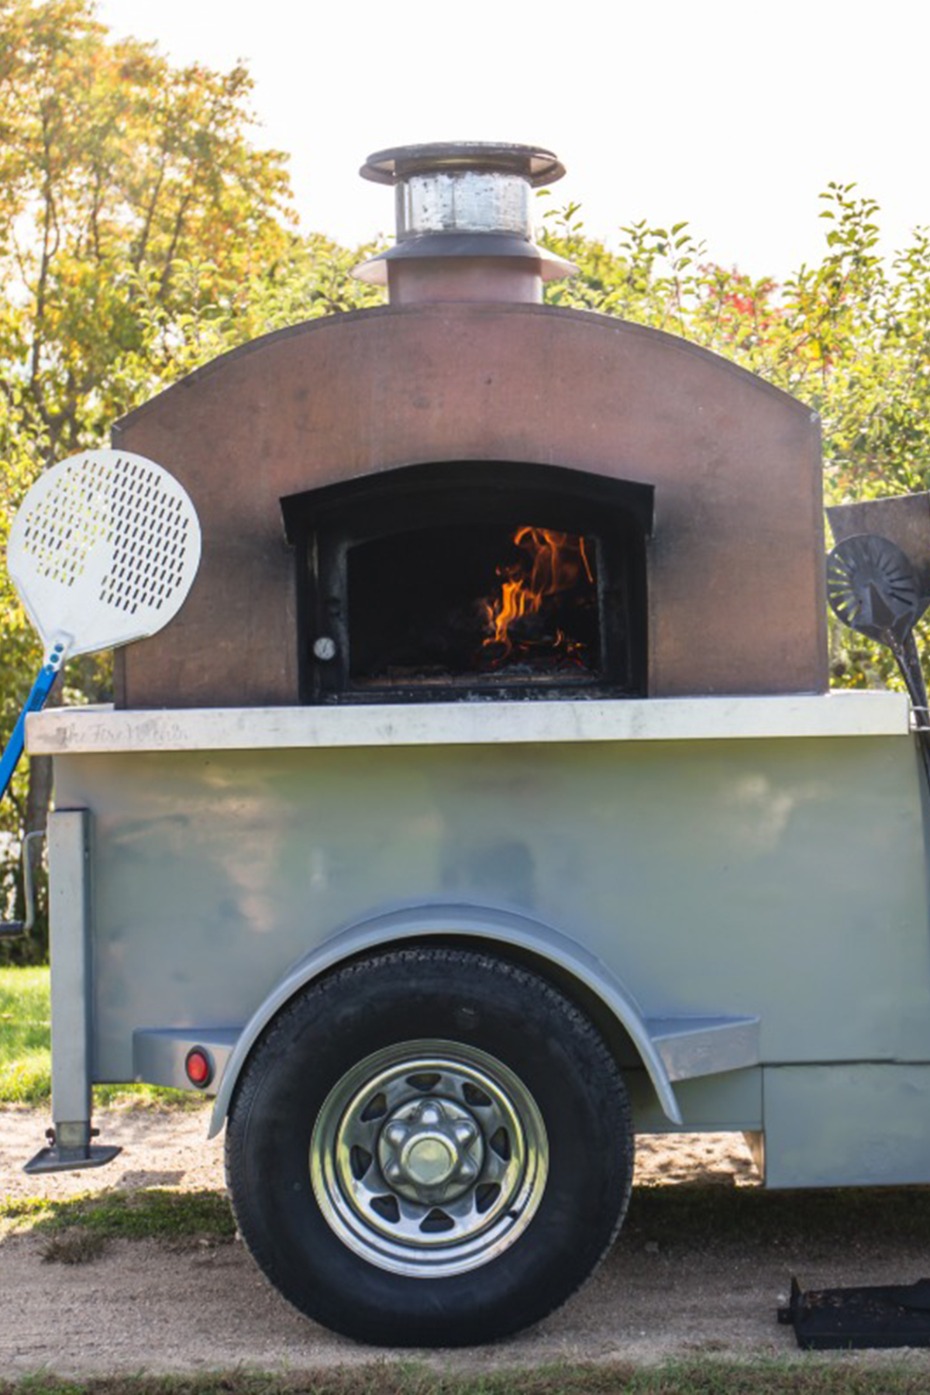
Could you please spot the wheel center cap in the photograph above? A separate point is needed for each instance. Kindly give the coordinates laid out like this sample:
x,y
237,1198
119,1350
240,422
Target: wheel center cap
x,y
430,1150
428,1159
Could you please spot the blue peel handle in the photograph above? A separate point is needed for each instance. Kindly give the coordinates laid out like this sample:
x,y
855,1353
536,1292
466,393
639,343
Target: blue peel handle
x,y
34,703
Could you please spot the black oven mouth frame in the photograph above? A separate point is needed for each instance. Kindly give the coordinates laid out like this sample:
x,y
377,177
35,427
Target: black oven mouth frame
x,y
325,524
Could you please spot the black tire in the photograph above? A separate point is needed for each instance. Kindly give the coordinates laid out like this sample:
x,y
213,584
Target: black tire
x,y
491,1101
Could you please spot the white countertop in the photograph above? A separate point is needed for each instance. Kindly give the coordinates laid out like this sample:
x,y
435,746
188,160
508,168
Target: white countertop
x,y
87,730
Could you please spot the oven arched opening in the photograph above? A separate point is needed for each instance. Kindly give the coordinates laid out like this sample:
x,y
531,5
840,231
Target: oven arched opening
x,y
471,579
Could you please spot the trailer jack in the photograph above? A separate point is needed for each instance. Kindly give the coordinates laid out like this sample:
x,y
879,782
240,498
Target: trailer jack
x,y
70,1148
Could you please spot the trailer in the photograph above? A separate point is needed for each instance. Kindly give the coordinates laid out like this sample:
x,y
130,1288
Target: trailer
x,y
486,804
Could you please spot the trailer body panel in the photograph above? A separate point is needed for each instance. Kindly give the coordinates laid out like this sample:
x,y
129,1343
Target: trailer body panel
x,y
773,878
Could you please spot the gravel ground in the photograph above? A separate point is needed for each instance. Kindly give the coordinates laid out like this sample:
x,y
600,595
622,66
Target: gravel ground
x,y
188,1307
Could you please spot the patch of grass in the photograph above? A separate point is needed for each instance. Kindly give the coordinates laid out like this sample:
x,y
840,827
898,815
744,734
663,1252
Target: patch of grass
x,y
26,1080
149,1213
24,1010
25,1061
74,1246
25,1049
147,1097
813,1377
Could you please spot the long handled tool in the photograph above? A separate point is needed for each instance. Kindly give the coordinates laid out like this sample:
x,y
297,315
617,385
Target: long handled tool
x,y
103,551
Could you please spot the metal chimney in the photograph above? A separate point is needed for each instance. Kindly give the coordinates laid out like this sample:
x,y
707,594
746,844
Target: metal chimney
x,y
464,228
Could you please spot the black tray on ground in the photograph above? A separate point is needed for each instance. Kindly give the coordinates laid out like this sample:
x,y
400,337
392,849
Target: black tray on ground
x,y
831,1319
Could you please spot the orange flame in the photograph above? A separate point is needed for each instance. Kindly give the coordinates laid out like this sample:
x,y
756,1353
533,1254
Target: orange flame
x,y
554,563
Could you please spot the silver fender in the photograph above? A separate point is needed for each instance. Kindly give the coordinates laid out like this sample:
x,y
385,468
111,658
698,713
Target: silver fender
x,y
472,922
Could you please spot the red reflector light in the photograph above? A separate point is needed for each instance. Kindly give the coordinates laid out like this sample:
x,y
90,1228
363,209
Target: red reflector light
x,y
199,1067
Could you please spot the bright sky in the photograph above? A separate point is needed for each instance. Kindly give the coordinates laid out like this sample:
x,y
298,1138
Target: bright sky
x,y
731,115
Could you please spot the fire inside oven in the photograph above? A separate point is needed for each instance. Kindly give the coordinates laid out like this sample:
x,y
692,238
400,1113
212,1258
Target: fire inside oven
x,y
464,602
438,582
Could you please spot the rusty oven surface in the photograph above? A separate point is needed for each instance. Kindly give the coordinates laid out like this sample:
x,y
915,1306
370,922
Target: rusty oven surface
x,y
734,572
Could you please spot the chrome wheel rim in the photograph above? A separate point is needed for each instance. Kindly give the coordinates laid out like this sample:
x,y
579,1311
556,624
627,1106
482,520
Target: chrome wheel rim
x,y
429,1158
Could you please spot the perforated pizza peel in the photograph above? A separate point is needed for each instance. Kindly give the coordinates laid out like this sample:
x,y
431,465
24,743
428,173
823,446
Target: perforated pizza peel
x,y
103,551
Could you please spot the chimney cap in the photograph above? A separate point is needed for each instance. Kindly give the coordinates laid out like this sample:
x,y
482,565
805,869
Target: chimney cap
x,y
464,202
392,166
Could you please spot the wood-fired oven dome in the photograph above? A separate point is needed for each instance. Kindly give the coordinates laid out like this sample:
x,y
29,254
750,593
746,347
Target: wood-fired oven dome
x,y
733,570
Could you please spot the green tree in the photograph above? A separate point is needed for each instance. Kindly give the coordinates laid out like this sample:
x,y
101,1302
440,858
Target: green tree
x,y
141,233
118,176
850,335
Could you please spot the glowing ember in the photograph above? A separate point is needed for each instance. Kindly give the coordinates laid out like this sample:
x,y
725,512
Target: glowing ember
x,y
522,620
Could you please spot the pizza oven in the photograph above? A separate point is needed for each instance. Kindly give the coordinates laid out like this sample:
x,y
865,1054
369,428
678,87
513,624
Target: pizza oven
x,y
471,495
